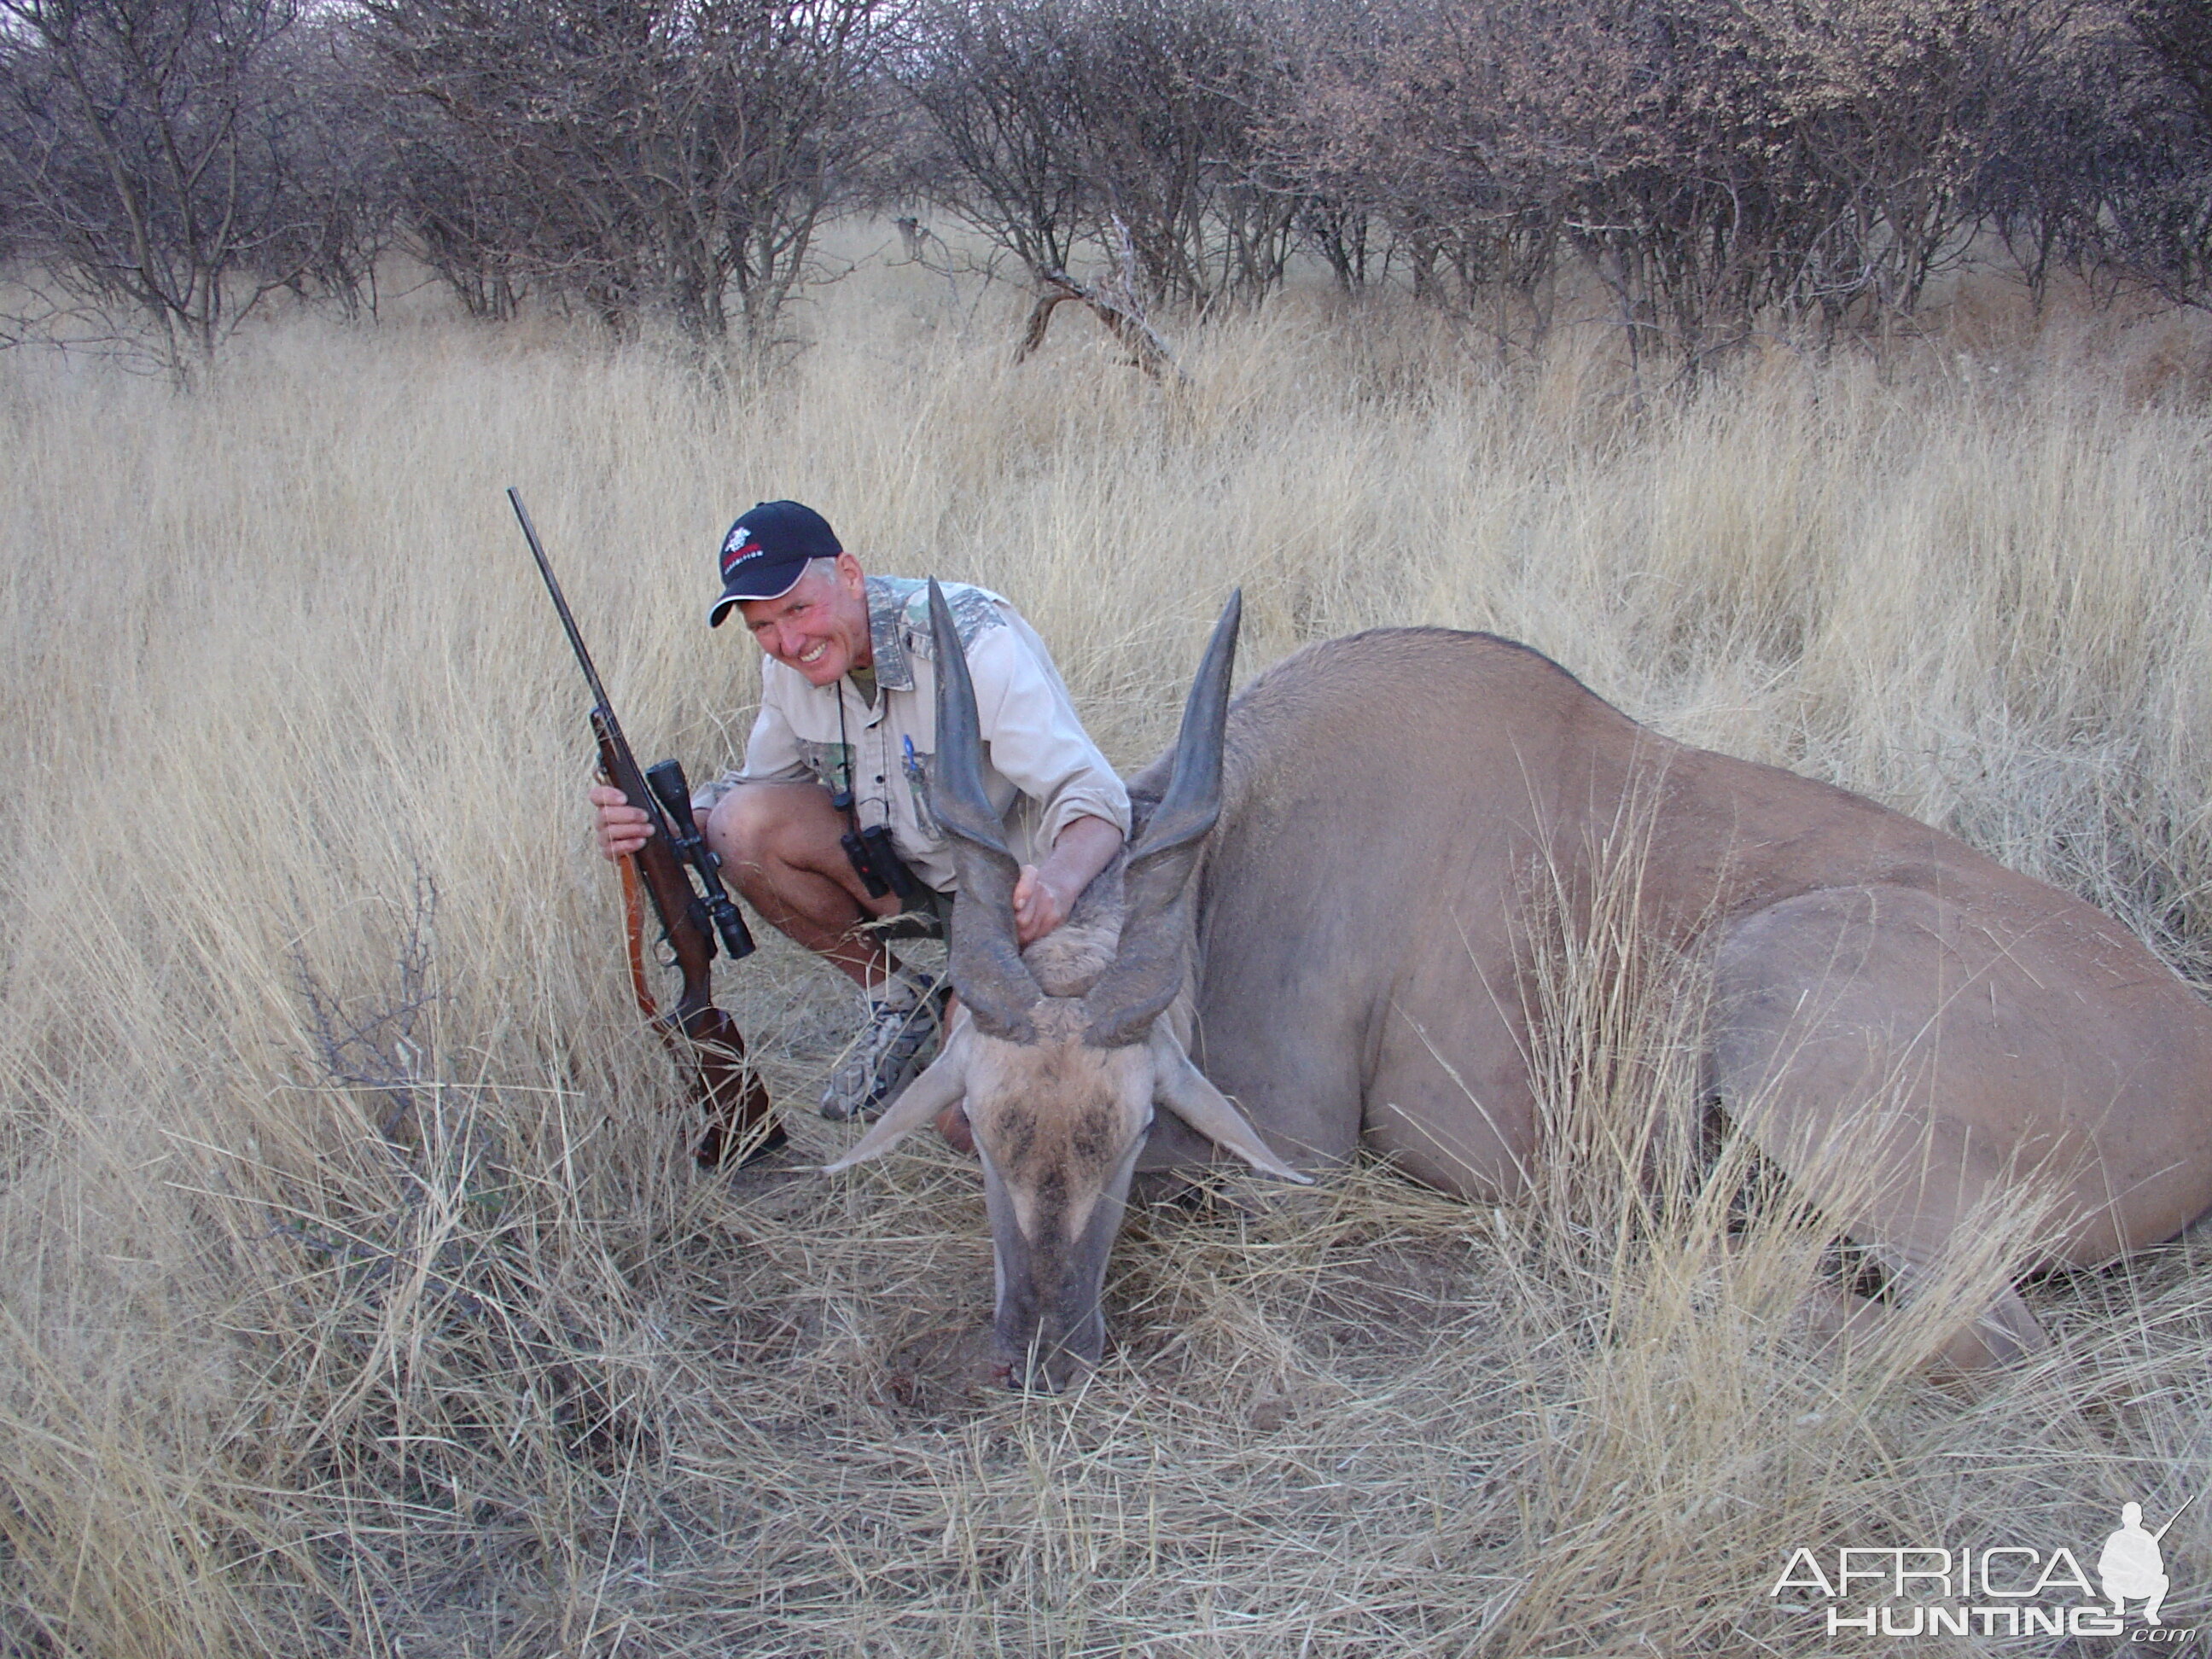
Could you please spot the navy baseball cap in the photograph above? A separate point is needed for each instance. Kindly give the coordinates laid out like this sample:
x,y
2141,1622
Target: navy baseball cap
x,y
767,549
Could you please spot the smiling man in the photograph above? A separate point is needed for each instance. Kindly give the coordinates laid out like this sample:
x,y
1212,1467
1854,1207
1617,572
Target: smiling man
x,y
847,724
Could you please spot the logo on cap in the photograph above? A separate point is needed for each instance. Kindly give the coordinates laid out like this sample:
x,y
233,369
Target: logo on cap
x,y
739,548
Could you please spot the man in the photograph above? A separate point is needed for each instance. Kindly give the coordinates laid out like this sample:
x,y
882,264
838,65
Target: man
x,y
847,727
2130,1565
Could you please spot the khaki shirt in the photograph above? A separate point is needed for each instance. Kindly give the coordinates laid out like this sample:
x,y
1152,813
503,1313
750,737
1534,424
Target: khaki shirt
x,y
1040,768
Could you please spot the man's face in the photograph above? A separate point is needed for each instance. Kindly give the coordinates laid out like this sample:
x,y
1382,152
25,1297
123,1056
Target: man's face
x,y
820,626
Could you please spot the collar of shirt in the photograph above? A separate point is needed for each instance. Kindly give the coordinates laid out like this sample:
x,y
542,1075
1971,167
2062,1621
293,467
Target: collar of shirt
x,y
887,602
898,624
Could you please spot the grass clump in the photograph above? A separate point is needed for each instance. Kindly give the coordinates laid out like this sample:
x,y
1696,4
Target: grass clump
x,y
355,1294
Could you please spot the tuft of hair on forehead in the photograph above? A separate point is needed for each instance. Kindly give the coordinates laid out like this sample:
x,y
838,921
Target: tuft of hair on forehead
x,y
1068,961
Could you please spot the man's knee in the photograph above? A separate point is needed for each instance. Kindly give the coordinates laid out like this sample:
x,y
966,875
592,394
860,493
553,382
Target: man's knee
x,y
762,827
740,826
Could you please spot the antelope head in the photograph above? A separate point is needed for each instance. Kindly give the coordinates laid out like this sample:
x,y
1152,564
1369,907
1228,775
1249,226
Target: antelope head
x,y
1060,1052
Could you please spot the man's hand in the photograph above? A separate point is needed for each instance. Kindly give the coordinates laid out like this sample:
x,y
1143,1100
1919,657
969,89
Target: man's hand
x,y
622,829
1046,892
1040,904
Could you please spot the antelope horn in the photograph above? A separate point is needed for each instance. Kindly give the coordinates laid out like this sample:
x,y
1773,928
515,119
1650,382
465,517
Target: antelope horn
x,y
984,957
1148,970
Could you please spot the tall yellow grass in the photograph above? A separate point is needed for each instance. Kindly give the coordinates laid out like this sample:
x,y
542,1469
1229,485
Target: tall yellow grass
x,y
295,852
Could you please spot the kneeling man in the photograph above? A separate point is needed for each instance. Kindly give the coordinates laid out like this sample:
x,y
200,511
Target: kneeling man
x,y
847,724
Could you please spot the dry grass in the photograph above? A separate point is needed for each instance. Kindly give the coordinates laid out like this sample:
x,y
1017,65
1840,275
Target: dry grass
x,y
297,855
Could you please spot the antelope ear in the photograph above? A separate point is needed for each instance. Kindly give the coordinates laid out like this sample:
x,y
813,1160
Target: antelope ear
x,y
943,1082
1183,1089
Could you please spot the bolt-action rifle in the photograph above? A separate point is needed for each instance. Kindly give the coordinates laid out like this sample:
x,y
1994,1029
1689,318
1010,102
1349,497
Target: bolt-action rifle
x,y
683,878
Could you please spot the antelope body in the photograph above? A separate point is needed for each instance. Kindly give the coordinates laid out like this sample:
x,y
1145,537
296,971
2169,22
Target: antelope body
x,y
1326,910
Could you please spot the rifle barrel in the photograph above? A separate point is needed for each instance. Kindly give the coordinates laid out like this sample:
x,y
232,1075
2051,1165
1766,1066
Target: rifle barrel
x,y
670,820
633,784
561,603
2175,1517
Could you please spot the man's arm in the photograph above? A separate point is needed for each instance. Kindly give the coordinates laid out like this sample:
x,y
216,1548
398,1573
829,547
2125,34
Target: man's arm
x,y
1037,743
1047,892
1034,738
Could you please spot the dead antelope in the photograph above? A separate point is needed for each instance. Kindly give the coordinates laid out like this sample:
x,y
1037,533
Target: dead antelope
x,y
1320,910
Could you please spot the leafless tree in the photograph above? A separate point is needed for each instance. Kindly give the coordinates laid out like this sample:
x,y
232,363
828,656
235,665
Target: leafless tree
x,y
1718,165
1180,92
2159,219
2103,166
1721,167
152,170
1424,120
668,155
345,167
1006,145
1112,149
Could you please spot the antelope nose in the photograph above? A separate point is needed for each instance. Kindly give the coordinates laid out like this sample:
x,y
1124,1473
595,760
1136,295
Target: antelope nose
x,y
1054,1371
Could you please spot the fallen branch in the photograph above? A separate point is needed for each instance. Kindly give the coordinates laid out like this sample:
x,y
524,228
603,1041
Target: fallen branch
x,y
1116,306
